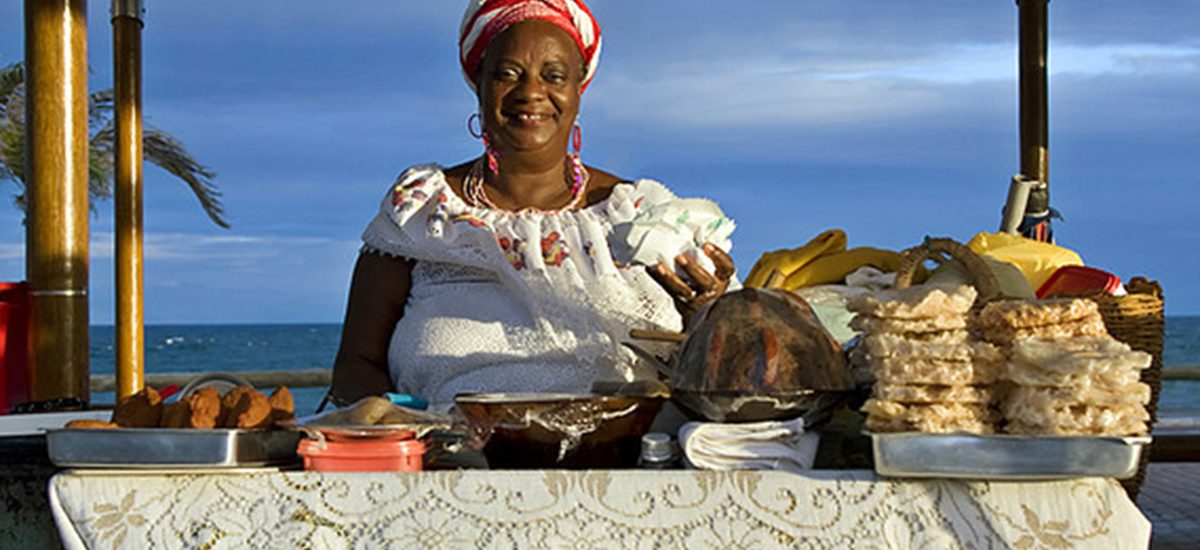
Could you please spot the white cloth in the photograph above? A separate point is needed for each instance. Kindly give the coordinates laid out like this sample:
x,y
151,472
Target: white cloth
x,y
661,231
585,509
870,278
829,301
771,445
505,302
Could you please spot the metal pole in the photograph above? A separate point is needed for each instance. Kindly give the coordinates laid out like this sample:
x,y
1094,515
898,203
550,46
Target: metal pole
x,y
1035,157
57,181
130,296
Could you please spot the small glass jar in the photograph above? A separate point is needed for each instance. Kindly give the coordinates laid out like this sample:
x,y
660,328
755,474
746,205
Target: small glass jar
x,y
659,452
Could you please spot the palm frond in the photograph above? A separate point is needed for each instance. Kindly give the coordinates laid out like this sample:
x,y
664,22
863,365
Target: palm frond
x,y
169,154
12,152
158,147
100,107
101,147
11,77
12,134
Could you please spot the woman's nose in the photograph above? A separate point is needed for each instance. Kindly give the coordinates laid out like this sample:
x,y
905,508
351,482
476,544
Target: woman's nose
x,y
530,87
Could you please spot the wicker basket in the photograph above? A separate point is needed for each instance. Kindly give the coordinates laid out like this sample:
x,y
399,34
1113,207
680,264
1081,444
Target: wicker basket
x,y
940,251
1137,320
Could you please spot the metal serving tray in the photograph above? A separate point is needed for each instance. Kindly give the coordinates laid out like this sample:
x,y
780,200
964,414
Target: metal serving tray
x,y
1005,457
157,448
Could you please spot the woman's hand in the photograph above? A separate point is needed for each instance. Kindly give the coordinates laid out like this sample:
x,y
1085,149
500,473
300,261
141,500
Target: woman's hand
x,y
704,287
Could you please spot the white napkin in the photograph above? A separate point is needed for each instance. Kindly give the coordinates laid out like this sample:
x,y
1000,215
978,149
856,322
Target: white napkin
x,y
680,226
870,278
771,445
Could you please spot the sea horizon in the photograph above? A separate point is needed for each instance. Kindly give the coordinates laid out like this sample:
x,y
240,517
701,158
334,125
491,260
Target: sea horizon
x,y
277,346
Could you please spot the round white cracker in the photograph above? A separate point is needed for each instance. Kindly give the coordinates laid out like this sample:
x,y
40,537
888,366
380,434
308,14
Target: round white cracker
x,y
1035,313
897,370
891,416
929,393
951,345
915,302
872,324
1076,417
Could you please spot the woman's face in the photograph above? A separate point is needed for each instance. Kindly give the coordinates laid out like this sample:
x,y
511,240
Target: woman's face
x,y
529,86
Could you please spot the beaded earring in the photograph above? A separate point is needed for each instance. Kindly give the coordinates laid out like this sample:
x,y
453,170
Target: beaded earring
x,y
579,174
482,135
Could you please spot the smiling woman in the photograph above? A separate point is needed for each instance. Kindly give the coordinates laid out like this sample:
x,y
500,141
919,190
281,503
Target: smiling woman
x,y
529,88
514,272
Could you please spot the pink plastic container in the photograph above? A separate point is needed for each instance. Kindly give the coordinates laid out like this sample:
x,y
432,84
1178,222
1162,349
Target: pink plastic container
x,y
363,455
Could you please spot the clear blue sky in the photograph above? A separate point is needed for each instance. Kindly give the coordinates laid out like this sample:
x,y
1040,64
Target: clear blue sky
x,y
891,120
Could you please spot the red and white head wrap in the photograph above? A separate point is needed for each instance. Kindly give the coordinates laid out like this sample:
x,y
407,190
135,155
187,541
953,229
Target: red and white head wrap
x,y
486,19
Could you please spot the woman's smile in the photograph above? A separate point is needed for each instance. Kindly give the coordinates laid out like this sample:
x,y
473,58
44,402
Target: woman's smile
x,y
528,119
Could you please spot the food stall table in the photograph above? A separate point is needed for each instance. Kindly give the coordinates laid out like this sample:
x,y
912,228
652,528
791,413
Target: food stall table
x,y
589,509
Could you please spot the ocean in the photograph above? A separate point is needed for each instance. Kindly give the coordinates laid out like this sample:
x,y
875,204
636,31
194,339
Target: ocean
x,y
233,348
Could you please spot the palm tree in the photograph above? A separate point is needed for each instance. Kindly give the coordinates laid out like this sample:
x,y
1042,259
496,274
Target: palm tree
x,y
158,147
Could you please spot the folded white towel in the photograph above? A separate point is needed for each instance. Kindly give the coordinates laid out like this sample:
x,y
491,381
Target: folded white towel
x,y
771,445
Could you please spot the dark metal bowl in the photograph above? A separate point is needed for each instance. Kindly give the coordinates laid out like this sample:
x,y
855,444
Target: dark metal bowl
x,y
559,430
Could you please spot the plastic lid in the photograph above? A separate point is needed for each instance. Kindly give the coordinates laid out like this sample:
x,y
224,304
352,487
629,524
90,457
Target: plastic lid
x,y
657,447
361,448
1077,280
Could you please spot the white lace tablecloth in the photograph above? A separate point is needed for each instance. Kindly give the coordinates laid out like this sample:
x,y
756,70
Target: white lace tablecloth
x,y
586,509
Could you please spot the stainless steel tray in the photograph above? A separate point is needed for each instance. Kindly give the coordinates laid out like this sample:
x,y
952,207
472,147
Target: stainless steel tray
x,y
157,448
1005,457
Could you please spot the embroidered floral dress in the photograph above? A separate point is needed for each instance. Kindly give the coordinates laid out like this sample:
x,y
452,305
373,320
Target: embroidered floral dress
x,y
530,302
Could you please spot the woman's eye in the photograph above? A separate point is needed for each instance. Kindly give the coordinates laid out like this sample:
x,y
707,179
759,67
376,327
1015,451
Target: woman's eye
x,y
507,74
556,77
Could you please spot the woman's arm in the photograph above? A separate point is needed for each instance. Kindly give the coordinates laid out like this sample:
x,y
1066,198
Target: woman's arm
x,y
378,292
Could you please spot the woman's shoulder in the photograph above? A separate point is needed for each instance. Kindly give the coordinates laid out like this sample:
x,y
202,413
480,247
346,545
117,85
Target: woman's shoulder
x,y
601,185
424,173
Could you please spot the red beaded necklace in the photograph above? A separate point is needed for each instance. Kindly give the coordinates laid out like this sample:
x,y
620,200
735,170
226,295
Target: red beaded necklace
x,y
476,195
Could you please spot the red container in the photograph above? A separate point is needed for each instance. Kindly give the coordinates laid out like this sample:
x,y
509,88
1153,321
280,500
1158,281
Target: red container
x,y
362,455
1078,280
14,345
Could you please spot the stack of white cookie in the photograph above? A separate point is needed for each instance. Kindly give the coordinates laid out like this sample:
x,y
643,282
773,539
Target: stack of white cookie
x,y
1005,322
1066,375
930,374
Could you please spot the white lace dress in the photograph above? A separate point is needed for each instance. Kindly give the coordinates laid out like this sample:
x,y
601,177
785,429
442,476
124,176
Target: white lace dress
x,y
530,302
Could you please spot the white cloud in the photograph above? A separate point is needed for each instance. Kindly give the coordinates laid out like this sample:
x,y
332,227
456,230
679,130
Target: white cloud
x,y
12,251
1126,59
811,90
207,248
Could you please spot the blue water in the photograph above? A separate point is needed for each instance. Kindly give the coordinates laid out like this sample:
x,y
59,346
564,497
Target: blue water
x,y
200,348
1181,346
228,348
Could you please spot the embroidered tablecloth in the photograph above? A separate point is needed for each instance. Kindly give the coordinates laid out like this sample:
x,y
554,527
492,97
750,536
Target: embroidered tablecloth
x,y
585,509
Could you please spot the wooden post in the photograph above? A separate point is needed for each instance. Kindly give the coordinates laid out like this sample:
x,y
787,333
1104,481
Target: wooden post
x,y
1034,23
130,296
57,183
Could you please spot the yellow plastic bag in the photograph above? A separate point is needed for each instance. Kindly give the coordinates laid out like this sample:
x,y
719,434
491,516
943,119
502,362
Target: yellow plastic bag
x,y
833,268
788,261
822,260
1036,260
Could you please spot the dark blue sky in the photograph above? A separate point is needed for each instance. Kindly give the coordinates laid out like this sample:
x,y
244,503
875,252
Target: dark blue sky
x,y
891,120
